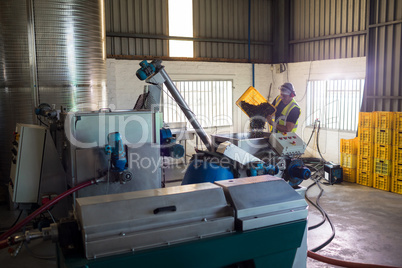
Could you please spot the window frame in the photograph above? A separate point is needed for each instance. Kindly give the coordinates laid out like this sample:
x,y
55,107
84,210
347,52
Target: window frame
x,y
346,114
207,111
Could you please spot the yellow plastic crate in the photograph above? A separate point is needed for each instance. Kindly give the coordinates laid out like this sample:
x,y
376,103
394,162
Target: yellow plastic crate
x,y
349,174
383,136
366,120
382,182
365,164
397,171
253,97
398,121
396,183
382,166
397,140
365,150
383,119
396,186
366,134
349,146
397,155
348,160
383,151
364,178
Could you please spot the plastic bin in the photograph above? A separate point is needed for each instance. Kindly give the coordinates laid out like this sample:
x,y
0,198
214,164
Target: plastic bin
x,y
384,119
349,174
382,182
348,160
366,120
383,136
398,121
249,102
397,138
364,178
397,171
382,166
396,184
365,164
349,146
365,150
383,151
366,135
397,155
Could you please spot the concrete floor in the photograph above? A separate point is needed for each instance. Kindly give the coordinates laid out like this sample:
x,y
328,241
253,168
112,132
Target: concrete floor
x,y
368,225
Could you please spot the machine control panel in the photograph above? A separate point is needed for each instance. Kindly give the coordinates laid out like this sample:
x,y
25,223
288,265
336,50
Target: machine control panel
x,y
287,143
26,162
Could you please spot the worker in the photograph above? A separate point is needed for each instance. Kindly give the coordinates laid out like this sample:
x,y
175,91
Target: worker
x,y
287,111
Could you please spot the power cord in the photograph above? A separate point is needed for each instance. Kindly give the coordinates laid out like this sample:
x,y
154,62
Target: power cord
x,y
316,178
317,182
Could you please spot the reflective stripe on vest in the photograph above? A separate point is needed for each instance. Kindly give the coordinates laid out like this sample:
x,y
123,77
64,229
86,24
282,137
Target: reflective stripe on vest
x,y
285,113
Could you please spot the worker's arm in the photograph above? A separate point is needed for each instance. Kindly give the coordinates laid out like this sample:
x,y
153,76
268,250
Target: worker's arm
x,y
287,128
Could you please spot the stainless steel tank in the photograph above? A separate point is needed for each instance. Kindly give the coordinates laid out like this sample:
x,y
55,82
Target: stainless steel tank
x,y
51,51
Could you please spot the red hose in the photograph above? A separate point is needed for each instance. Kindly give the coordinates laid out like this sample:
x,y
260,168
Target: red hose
x,y
4,244
43,208
332,261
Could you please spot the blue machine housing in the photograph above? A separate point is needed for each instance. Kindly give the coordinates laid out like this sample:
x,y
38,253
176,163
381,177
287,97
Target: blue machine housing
x,y
117,151
298,172
262,169
146,70
169,147
200,170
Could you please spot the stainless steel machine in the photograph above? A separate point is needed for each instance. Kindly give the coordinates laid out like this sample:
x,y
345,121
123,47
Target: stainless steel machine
x,y
239,211
259,221
87,139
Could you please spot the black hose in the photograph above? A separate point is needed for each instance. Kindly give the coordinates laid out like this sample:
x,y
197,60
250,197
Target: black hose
x,y
319,209
12,225
330,223
316,177
312,133
323,213
41,121
318,146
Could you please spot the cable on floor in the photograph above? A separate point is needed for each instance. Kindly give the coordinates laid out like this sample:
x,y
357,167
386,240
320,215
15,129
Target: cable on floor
x,y
316,177
317,182
312,253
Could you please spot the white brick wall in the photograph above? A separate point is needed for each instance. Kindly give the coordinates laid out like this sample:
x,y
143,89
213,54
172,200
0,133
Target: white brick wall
x,y
124,88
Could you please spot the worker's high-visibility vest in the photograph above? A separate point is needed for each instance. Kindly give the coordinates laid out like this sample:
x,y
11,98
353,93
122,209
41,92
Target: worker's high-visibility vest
x,y
285,113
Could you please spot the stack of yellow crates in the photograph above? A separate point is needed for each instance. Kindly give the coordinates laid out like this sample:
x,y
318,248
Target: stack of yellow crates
x,y
396,182
383,150
365,149
348,159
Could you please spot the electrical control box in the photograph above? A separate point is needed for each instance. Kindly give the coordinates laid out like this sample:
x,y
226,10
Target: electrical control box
x,y
333,173
26,164
288,143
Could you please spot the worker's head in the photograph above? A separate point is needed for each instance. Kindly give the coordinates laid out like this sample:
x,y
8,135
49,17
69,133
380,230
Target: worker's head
x,y
287,92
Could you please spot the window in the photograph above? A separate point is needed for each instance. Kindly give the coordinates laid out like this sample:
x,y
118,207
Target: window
x,y
181,24
336,103
210,101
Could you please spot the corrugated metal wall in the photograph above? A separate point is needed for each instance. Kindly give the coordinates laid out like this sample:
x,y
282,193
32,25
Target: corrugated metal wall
x,y
327,29
136,27
224,24
221,29
384,65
